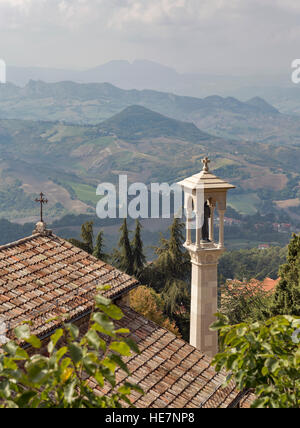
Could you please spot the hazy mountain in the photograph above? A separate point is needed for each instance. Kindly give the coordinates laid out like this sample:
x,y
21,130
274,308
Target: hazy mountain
x,y
261,105
144,74
253,120
22,75
140,74
285,99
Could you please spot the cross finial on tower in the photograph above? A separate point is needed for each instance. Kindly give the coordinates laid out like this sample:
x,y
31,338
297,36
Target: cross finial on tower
x,y
206,162
42,201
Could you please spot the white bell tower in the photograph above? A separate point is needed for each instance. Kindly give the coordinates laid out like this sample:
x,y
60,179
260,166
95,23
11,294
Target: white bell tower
x,y
204,193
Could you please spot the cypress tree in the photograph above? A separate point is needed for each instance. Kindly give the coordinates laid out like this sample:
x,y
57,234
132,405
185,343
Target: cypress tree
x,y
173,259
87,236
98,249
87,233
123,258
139,259
169,275
287,296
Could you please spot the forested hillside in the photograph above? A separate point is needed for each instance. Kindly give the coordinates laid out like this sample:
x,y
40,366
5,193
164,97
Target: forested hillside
x,y
67,162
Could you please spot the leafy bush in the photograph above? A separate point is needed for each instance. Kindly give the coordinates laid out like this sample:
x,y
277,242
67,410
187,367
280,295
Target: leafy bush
x,y
264,356
59,379
148,303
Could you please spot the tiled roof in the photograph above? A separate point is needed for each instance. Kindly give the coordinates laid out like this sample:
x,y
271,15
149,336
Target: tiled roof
x,y
172,373
247,400
43,277
268,285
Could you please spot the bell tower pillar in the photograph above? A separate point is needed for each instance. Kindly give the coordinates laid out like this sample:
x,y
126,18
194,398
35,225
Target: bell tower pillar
x,y
204,193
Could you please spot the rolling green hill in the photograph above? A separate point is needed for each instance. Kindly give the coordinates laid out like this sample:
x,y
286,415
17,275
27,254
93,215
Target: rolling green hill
x,y
67,162
136,123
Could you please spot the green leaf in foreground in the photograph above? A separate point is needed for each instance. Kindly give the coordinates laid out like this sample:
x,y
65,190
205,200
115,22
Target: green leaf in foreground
x,y
59,378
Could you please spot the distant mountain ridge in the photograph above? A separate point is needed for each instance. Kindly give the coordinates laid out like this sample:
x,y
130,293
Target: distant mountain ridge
x,y
262,105
144,74
253,120
140,74
72,90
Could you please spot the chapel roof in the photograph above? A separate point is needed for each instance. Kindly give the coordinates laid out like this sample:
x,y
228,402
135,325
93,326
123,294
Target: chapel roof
x,y
43,277
172,373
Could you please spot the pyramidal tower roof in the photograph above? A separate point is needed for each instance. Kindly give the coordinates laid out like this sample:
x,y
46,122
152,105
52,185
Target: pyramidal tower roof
x,y
206,180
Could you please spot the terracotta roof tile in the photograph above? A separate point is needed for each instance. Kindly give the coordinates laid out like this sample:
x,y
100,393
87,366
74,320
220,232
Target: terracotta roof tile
x,y
45,276
172,373
247,400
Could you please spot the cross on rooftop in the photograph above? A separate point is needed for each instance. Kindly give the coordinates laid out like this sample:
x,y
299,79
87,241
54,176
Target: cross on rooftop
x,y
206,162
42,201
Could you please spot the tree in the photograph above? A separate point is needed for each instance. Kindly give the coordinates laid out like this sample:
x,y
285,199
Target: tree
x,y
172,259
243,301
98,249
87,243
139,259
176,298
287,296
169,275
264,356
123,257
87,235
148,303
251,264
172,262
59,379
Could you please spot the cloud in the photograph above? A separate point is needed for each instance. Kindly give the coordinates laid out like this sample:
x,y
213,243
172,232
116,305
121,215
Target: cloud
x,y
120,14
167,11
189,32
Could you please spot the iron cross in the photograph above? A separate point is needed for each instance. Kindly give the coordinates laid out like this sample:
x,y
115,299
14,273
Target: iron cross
x,y
206,162
42,201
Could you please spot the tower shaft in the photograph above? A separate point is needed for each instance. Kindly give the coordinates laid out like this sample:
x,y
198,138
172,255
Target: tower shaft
x,y
204,300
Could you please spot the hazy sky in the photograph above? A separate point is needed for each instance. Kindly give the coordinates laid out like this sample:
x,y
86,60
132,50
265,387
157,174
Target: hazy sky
x,y
192,35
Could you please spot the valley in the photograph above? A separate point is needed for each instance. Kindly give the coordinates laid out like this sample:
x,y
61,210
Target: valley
x,y
128,132
69,161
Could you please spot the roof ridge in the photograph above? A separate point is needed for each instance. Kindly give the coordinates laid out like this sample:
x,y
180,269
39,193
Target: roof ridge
x,y
20,241
33,236
52,236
